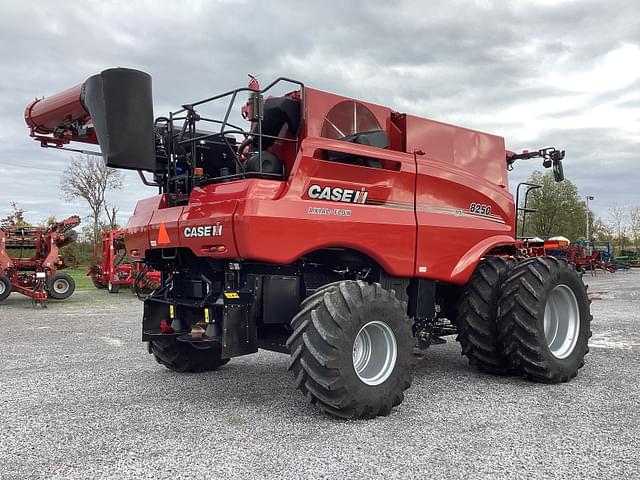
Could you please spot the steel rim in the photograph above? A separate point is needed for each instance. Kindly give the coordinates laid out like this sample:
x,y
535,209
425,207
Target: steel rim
x,y
61,286
375,352
561,321
3,288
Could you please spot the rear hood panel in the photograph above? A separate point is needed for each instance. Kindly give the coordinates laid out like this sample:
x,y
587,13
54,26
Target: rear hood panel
x,y
206,230
205,225
209,231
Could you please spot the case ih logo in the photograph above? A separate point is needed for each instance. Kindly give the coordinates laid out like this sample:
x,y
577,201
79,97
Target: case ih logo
x,y
204,231
337,194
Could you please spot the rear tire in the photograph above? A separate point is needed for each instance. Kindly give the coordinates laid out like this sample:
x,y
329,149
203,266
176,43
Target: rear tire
x,y
352,350
476,319
184,357
5,288
544,320
61,286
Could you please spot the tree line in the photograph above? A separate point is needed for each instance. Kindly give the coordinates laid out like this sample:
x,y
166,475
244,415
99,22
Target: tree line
x,y
561,211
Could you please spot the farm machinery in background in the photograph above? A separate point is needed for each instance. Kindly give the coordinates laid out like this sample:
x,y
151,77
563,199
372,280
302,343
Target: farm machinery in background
x,y
577,254
584,256
37,276
113,269
629,257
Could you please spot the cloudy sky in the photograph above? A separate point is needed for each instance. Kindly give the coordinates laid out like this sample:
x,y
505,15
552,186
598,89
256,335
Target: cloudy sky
x,y
538,73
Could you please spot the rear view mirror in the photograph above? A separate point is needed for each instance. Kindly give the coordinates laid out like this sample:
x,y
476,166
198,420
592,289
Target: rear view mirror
x,y
558,171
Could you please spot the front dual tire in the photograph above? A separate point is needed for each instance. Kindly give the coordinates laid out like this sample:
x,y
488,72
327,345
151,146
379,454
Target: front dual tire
x,y
544,320
531,318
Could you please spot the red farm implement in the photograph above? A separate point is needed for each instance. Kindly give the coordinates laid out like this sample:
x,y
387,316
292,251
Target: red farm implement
x,y
112,269
576,254
37,276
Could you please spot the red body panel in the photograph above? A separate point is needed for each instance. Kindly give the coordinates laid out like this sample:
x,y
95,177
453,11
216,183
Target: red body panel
x,y
451,237
419,218
213,206
478,153
283,229
136,234
218,216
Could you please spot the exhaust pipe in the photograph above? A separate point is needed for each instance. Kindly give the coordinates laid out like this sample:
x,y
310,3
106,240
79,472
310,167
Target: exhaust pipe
x,y
113,108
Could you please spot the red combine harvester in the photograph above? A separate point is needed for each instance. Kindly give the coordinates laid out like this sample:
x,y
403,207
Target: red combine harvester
x,y
112,270
37,277
343,233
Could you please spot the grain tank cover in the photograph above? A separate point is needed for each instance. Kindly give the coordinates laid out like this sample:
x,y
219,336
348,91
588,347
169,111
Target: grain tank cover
x,y
120,103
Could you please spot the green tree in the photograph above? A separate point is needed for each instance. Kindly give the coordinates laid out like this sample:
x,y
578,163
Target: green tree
x,y
15,218
634,225
560,211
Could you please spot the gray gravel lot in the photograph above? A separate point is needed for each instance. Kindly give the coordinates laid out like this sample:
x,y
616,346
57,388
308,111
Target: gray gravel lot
x,y
81,398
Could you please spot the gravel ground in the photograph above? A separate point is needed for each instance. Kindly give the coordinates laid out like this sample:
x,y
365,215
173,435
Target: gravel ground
x,y
81,398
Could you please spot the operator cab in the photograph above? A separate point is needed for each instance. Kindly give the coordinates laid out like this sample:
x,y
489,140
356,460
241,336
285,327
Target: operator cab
x,y
190,154
281,119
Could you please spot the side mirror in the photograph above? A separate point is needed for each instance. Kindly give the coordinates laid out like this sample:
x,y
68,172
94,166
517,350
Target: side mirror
x,y
558,171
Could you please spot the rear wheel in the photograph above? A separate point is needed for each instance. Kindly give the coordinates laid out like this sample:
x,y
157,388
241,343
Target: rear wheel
x,y
352,350
185,357
95,273
544,320
5,287
113,288
61,286
476,316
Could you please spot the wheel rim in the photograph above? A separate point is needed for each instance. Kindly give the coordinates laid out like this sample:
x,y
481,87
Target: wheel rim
x,y
561,321
61,286
374,353
2,288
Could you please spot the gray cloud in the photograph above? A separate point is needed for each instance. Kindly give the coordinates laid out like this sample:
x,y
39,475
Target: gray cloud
x,y
484,65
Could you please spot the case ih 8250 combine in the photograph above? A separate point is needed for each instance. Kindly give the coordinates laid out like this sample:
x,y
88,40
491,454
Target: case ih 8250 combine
x,y
343,233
